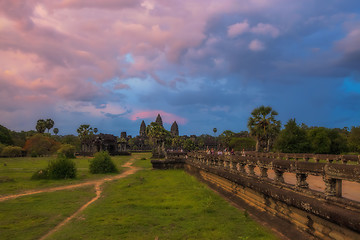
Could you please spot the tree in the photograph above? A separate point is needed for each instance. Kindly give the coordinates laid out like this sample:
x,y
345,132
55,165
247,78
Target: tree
x,y
86,135
5,136
292,139
189,145
56,131
95,130
49,124
158,135
226,137
215,130
40,145
263,126
41,126
354,139
319,140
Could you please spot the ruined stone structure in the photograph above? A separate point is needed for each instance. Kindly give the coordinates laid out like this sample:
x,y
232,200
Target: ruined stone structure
x,y
245,180
105,142
174,129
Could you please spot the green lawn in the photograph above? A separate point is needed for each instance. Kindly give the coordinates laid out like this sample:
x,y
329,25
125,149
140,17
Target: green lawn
x,y
33,216
168,204
15,176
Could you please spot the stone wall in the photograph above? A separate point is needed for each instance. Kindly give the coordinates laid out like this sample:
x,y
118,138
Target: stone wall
x,y
325,215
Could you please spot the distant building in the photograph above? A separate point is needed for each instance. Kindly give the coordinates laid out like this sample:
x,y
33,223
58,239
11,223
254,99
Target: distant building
x,y
159,120
142,132
174,129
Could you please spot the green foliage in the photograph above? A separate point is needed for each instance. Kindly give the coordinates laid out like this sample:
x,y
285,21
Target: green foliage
x,y
263,125
41,145
189,145
319,140
292,139
61,168
177,142
56,131
102,163
41,174
73,140
225,138
157,132
240,143
40,126
67,150
5,137
49,124
354,139
1,147
326,141
11,151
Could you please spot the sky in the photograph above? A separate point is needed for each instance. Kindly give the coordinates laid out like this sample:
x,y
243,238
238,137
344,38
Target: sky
x,y
205,64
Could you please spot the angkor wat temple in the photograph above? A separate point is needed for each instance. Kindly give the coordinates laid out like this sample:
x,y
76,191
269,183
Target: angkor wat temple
x,y
120,146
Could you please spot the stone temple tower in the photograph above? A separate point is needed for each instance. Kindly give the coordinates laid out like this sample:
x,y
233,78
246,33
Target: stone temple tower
x,y
174,129
159,120
142,132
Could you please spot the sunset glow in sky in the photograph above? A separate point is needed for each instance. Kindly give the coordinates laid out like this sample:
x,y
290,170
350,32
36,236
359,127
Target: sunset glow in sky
x,y
203,63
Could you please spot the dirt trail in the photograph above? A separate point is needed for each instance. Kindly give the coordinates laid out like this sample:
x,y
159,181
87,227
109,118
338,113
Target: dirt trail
x,y
97,184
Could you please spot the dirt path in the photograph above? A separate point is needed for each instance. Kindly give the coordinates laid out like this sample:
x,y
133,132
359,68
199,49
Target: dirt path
x,y
97,184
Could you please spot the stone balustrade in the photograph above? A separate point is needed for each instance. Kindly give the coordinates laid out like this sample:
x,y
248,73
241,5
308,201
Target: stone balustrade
x,y
332,173
330,158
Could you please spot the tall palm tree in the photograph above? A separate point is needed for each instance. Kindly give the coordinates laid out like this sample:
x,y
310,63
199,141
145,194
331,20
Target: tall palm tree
x,y
263,126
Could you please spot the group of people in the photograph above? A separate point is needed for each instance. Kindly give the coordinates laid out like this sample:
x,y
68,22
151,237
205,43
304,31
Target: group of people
x,y
225,152
220,152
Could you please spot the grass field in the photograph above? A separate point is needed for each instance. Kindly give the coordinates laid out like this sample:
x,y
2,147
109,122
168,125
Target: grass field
x,y
15,176
149,204
32,216
161,204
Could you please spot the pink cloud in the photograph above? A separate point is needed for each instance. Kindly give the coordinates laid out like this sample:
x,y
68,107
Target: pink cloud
x,y
256,45
238,29
266,29
152,114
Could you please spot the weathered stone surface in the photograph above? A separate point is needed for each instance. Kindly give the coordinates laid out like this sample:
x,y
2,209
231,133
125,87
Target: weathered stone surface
x,y
324,215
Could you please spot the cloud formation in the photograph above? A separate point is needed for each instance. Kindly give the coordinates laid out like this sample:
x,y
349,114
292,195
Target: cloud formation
x,y
205,63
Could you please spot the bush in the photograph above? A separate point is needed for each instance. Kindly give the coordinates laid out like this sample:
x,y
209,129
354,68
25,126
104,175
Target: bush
x,y
67,150
11,151
102,163
61,168
41,174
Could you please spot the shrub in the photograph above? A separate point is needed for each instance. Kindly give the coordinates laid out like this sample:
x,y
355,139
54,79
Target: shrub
x,y
102,163
67,150
41,174
11,151
61,168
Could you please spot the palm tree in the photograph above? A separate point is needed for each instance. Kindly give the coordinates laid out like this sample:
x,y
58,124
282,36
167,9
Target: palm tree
x,y
214,130
263,126
49,123
40,126
56,131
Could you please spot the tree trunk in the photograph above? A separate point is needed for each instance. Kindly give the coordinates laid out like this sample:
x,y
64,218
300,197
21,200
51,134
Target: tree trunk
x,y
257,145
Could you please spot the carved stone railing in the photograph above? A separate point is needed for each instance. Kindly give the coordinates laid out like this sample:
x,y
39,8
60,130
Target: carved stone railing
x,y
332,173
329,158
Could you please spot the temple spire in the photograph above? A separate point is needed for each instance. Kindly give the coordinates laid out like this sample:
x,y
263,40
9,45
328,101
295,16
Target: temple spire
x,y
174,129
142,132
159,120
